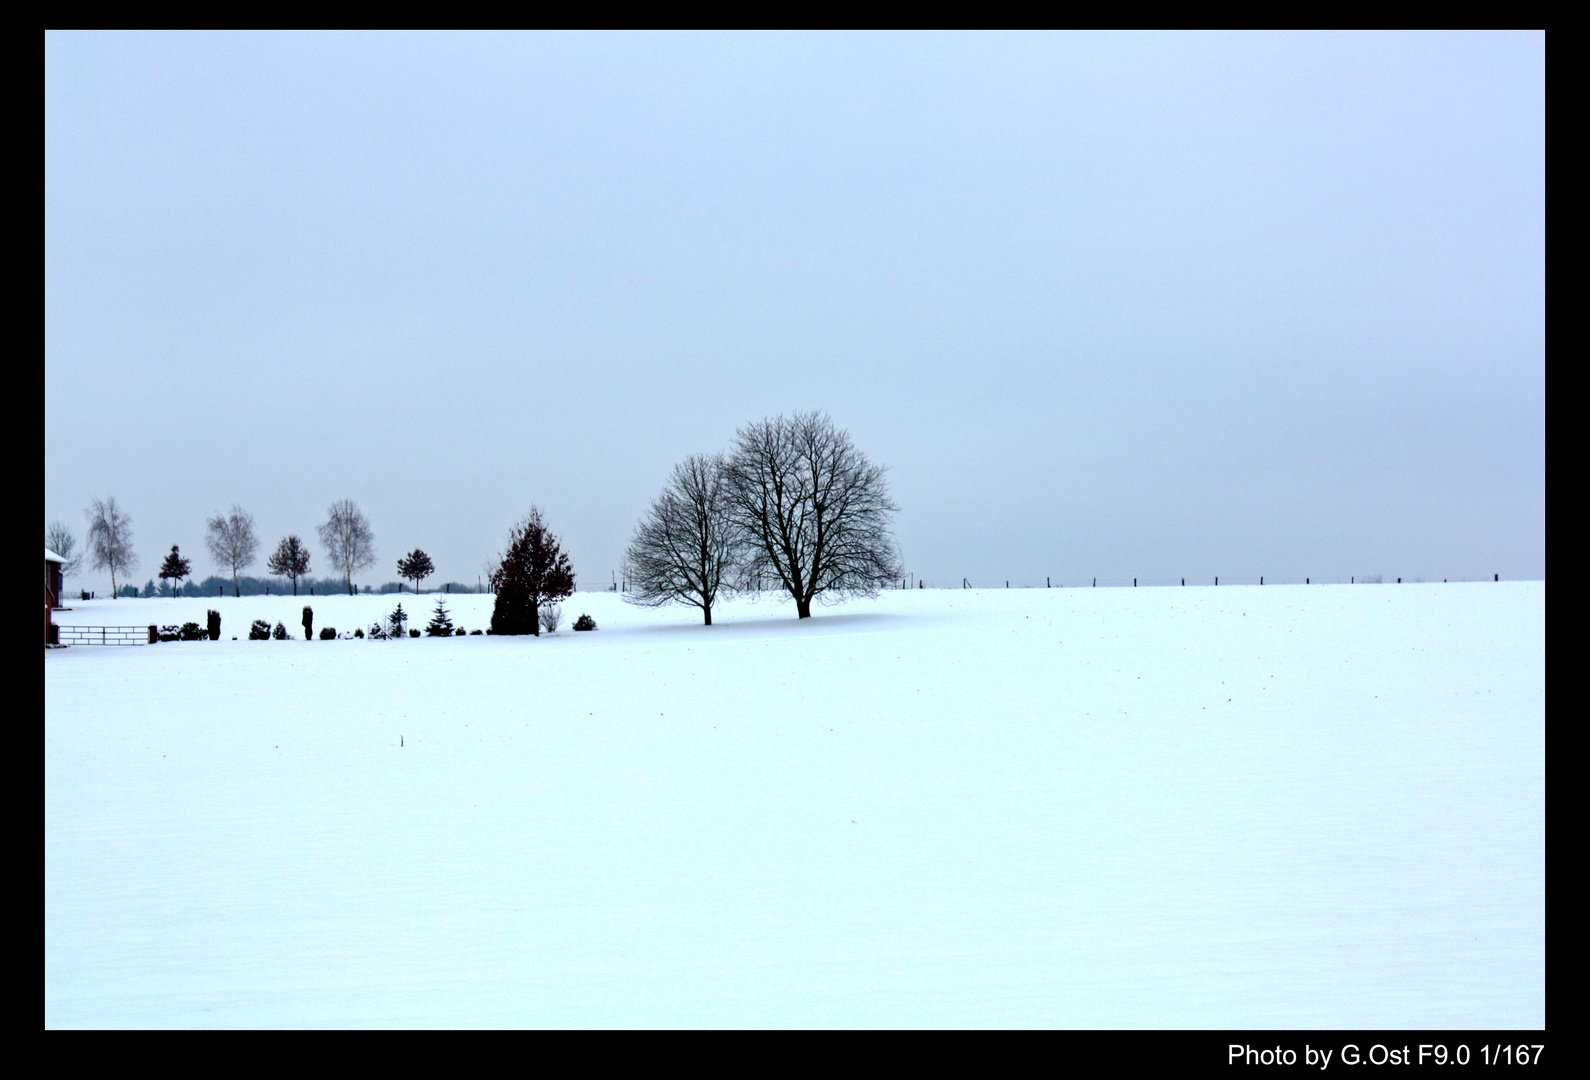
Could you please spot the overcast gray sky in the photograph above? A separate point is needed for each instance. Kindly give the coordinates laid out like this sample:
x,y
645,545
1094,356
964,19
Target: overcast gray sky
x,y
1106,305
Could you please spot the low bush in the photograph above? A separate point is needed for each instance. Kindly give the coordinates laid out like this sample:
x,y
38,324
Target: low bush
x,y
358,633
459,631
280,633
550,615
215,626
259,630
327,633
414,633
474,632
585,622
377,632
191,632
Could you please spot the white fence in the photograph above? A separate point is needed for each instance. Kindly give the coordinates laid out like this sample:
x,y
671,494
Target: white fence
x,y
102,635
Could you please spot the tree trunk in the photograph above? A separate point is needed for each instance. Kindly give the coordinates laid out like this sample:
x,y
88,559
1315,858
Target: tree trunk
x,y
803,608
706,612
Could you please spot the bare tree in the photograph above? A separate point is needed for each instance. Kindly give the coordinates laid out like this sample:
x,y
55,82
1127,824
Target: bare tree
x,y
232,542
814,511
110,539
59,539
347,538
685,549
290,560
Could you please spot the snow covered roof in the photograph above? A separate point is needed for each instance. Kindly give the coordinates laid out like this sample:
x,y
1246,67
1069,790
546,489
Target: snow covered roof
x,y
50,556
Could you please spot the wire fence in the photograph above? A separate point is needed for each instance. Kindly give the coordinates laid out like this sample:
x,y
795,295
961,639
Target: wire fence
x,y
1180,582
911,581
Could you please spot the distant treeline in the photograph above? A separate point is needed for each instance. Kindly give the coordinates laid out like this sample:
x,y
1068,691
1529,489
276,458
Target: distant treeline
x,y
215,585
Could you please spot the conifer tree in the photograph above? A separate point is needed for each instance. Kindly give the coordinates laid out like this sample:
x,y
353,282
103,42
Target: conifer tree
x,y
176,568
441,624
533,571
415,567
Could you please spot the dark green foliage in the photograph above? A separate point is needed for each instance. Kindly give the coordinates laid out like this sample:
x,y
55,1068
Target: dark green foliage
x,y
513,613
473,632
414,633
358,633
441,624
309,622
327,633
280,633
459,632
397,623
191,632
215,626
259,630
585,622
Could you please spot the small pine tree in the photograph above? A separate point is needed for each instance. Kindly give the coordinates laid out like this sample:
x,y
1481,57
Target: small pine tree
x,y
585,622
215,625
397,622
280,633
441,625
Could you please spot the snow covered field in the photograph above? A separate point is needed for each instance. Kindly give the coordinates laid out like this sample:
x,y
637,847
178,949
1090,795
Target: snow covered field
x,y
1287,806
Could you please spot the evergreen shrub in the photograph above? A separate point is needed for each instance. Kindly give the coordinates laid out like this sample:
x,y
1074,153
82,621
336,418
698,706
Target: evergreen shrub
x,y
259,630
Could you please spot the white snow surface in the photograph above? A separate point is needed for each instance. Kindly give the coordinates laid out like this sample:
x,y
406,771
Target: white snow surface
x,y
1246,807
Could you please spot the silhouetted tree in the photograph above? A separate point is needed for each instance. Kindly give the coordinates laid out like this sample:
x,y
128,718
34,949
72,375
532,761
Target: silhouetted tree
x,y
232,542
290,560
110,540
175,568
685,549
347,538
416,567
59,539
532,571
812,509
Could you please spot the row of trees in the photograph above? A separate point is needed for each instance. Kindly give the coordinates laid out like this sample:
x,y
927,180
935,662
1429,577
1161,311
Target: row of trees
x,y
233,544
793,502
